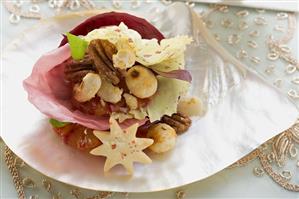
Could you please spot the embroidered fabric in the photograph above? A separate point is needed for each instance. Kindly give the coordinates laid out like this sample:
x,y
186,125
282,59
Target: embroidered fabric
x,y
278,66
246,38
276,157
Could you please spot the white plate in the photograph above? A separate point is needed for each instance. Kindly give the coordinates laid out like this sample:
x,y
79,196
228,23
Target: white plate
x,y
251,113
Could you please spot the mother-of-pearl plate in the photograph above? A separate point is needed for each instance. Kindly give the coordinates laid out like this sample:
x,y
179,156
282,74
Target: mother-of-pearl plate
x,y
243,112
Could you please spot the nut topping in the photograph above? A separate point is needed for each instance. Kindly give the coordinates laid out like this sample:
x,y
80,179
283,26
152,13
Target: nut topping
x,y
88,88
141,81
178,121
110,93
75,70
164,137
190,106
100,51
109,49
131,101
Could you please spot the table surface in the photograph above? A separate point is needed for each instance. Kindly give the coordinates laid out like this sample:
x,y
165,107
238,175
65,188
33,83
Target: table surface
x,y
237,182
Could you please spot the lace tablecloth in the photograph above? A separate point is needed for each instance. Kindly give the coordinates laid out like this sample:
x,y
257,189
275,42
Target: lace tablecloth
x,y
264,40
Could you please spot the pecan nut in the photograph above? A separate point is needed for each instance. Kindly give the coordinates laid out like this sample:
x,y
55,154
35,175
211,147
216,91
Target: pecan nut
x,y
109,49
100,52
75,70
179,122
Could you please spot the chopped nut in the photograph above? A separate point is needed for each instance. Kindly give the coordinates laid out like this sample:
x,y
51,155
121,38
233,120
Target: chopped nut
x,y
141,81
75,70
190,106
102,62
131,101
138,114
121,117
179,122
109,93
103,103
124,59
164,137
77,76
88,88
91,107
109,48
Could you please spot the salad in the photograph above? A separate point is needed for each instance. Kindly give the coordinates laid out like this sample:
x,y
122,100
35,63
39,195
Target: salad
x,y
115,87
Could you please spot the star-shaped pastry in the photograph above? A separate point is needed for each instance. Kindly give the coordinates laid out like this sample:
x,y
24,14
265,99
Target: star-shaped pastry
x,y
121,146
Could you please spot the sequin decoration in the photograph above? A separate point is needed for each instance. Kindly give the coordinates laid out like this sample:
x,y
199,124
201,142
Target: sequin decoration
x,y
227,23
242,54
166,2
217,37
34,8
282,15
260,10
19,3
270,69
283,51
257,171
243,25
135,4
295,81
279,28
254,33
209,24
223,8
190,4
255,60
75,5
28,183
116,4
273,56
33,197
290,69
19,11
293,94
14,19
242,13
286,175
277,83
293,151
252,44
260,21
233,39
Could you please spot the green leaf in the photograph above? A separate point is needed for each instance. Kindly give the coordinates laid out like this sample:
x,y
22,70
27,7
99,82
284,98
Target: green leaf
x,y
57,124
78,46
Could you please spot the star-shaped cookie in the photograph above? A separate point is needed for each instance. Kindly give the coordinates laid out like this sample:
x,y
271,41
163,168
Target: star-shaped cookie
x,y
121,146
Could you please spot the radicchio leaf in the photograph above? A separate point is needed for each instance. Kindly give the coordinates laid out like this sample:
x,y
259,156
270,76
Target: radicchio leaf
x,y
176,74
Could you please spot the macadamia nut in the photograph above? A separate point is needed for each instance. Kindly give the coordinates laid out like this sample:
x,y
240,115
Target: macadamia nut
x,y
131,101
190,106
110,93
88,88
164,137
141,81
